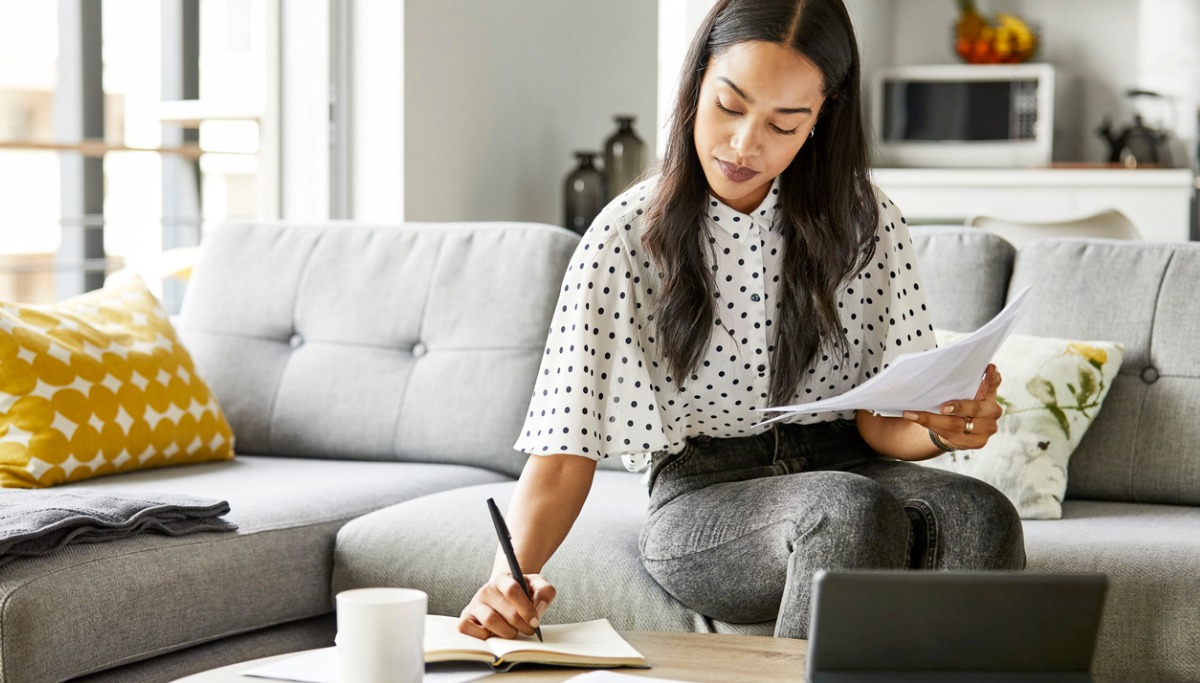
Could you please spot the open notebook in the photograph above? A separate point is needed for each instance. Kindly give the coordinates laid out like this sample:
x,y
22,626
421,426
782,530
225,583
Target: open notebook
x,y
593,644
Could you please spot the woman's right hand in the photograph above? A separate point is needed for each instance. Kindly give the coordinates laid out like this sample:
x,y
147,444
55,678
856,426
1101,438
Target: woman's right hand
x,y
500,608
548,498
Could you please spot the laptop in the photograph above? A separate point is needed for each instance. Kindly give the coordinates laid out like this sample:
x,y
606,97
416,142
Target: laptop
x,y
965,627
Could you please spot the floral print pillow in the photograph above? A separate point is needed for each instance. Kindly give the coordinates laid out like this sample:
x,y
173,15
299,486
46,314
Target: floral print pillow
x,y
1051,392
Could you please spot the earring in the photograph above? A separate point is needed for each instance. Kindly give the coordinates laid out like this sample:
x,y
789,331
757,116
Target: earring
x,y
812,132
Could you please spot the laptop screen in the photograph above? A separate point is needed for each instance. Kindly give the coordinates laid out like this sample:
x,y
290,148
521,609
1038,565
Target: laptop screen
x,y
987,622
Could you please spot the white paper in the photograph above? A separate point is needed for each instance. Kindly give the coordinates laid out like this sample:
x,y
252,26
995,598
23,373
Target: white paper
x,y
322,666
605,676
925,380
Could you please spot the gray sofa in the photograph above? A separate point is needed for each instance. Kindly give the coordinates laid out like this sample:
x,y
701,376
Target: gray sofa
x,y
376,378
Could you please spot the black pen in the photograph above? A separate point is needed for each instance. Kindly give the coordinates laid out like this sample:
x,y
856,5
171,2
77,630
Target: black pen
x,y
506,546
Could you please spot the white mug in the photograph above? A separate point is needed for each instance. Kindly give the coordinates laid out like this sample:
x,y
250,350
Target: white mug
x,y
381,635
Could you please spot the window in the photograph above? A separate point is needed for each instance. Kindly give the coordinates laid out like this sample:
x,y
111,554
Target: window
x,y
105,168
29,178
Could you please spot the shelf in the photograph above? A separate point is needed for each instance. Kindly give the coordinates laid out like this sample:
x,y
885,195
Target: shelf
x,y
191,113
1101,176
98,148
1156,200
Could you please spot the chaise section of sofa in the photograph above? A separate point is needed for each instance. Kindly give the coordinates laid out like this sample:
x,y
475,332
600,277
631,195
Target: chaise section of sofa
x,y
359,367
91,607
449,544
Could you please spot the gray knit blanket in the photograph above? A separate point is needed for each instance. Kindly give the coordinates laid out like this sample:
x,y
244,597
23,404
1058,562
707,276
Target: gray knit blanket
x,y
36,522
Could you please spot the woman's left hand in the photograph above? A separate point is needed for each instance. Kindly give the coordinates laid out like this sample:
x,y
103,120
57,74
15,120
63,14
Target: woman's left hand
x,y
967,424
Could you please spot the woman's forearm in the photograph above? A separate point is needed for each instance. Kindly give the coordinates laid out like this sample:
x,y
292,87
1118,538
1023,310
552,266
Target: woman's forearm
x,y
547,500
895,437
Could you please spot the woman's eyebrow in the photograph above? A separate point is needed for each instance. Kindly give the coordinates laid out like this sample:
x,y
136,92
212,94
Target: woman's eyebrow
x,y
750,100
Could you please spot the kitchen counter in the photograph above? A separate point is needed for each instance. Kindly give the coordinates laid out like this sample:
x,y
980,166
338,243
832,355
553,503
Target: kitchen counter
x,y
1156,200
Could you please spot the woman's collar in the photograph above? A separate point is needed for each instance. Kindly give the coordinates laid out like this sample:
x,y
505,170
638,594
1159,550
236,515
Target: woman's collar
x,y
730,219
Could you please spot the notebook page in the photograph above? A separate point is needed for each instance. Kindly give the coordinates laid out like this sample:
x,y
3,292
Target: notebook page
x,y
586,639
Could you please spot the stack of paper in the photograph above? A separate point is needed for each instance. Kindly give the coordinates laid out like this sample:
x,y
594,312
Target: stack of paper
x,y
924,381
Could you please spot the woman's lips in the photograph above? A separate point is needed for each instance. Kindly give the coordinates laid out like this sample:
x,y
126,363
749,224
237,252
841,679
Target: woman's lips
x,y
735,173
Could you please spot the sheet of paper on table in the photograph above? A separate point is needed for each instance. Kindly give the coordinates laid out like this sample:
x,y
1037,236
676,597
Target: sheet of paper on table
x,y
321,666
606,676
925,380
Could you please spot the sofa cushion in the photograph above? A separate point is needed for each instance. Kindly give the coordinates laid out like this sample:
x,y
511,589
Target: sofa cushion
x,y
375,343
99,384
444,544
1142,446
964,272
1051,393
91,607
1150,554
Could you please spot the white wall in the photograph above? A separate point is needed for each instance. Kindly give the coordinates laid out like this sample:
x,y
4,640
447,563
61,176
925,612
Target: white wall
x,y
377,112
678,21
873,27
375,89
1169,63
304,110
499,94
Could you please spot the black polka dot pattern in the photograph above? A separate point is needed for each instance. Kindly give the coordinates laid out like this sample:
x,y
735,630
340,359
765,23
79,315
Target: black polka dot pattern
x,y
603,390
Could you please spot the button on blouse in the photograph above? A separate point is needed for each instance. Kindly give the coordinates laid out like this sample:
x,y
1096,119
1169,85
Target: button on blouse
x,y
603,389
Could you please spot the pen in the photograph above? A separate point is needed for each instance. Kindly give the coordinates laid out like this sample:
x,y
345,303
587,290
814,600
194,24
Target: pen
x,y
506,546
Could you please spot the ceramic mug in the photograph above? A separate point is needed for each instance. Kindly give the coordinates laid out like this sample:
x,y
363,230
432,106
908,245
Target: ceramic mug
x,y
381,635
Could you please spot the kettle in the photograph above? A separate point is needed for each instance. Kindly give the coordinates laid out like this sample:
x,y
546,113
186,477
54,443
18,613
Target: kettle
x,y
1138,144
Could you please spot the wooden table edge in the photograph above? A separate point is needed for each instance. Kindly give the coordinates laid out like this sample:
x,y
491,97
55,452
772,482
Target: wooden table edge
x,y
682,656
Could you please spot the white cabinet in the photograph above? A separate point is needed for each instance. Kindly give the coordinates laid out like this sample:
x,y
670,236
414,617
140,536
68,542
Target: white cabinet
x,y
1156,200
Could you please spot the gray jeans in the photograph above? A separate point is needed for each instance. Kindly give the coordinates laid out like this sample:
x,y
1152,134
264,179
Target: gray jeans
x,y
737,527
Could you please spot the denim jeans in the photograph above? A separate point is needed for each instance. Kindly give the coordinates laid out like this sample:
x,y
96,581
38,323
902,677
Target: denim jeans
x,y
737,528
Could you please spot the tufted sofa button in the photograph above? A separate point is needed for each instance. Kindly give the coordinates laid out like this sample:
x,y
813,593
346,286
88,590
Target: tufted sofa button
x,y
419,350
1150,375
296,341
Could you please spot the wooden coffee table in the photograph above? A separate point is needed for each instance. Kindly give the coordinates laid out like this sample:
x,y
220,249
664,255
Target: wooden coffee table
x,y
698,657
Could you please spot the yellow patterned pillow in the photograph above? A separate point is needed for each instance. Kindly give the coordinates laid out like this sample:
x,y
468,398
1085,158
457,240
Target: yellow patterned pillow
x,y
100,384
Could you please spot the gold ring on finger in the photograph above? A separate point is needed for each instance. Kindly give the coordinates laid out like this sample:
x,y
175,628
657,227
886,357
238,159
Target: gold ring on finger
x,y
968,425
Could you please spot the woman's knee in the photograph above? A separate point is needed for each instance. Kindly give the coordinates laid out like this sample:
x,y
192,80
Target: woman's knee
x,y
1006,528
860,511
981,528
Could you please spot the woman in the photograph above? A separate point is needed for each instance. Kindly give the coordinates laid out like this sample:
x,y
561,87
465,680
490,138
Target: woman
x,y
760,268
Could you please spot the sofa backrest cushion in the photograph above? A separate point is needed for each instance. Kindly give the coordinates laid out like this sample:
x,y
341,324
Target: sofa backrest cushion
x,y
964,272
417,342
1143,446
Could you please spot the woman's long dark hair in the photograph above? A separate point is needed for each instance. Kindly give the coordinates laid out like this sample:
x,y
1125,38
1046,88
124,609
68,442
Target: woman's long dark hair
x,y
828,213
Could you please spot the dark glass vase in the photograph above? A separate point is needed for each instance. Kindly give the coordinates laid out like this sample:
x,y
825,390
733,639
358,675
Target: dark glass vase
x,y
624,156
583,193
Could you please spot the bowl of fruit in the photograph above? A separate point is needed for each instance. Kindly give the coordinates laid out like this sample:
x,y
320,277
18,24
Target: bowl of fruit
x,y
1006,40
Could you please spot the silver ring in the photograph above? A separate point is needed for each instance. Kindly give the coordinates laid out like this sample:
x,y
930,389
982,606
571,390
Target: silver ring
x,y
968,426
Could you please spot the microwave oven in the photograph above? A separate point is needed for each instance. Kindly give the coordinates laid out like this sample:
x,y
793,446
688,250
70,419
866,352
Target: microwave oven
x,y
964,115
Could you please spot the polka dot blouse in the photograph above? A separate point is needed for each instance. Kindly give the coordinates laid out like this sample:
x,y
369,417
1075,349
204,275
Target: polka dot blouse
x,y
603,389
